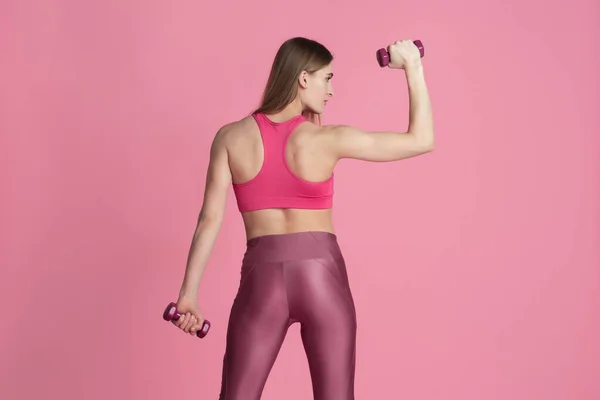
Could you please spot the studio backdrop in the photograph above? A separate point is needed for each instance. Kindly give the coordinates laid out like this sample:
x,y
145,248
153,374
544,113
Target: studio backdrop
x,y
475,269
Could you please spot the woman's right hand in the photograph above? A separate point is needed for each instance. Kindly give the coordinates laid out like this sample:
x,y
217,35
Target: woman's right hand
x,y
404,54
191,319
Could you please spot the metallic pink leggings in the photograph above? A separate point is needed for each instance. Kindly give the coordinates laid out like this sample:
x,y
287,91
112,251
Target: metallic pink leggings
x,y
288,278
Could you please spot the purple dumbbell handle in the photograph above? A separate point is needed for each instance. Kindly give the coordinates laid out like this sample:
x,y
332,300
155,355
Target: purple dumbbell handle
x,y
383,57
171,313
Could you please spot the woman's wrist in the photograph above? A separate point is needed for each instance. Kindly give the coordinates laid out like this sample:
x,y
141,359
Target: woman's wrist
x,y
187,293
414,69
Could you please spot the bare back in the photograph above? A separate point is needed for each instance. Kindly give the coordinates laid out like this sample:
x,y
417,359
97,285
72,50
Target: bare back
x,y
306,159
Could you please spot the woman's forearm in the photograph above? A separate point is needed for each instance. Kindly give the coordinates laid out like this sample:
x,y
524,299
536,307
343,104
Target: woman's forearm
x,y
201,248
420,114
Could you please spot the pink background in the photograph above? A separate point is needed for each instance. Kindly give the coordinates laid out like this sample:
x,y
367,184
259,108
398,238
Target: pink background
x,y
475,269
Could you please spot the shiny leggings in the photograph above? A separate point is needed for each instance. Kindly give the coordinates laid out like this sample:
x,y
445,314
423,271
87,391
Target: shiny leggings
x,y
288,278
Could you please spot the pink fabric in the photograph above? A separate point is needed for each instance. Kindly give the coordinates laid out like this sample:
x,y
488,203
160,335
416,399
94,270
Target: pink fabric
x,y
276,186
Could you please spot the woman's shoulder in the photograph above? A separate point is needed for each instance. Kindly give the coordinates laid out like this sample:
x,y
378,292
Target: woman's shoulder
x,y
235,134
241,123
232,128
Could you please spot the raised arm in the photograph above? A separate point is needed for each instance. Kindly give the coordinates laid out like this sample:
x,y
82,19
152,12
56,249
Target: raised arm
x,y
218,180
350,142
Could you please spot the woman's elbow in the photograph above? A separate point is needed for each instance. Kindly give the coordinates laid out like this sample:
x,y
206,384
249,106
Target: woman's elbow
x,y
210,219
426,146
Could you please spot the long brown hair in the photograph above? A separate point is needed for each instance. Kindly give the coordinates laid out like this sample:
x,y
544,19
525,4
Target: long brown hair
x,y
294,56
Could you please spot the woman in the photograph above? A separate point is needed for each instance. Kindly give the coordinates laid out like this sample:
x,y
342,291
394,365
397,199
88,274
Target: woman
x,y
280,161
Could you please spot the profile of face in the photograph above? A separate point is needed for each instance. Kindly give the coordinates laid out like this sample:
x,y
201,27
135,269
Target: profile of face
x,y
315,89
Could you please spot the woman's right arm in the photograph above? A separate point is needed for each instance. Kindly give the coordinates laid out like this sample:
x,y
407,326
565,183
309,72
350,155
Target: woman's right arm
x,y
218,182
349,142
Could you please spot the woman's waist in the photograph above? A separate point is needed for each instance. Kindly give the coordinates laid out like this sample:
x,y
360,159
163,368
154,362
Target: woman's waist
x,y
302,245
286,221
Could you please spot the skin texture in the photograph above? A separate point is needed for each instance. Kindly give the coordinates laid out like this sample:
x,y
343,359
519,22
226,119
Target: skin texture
x,y
313,151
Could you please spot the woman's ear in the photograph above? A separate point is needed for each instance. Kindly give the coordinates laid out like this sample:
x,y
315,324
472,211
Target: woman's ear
x,y
303,80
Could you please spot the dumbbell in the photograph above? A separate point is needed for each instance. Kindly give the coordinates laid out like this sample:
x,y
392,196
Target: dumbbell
x,y
383,57
171,313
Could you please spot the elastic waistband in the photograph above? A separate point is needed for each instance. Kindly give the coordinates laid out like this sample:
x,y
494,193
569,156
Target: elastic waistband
x,y
296,236
291,246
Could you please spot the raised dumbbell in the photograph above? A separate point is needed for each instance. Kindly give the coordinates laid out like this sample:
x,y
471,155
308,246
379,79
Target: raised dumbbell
x,y
383,57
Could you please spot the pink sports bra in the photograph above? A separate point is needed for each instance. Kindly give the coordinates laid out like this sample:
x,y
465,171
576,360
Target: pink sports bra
x,y
276,186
